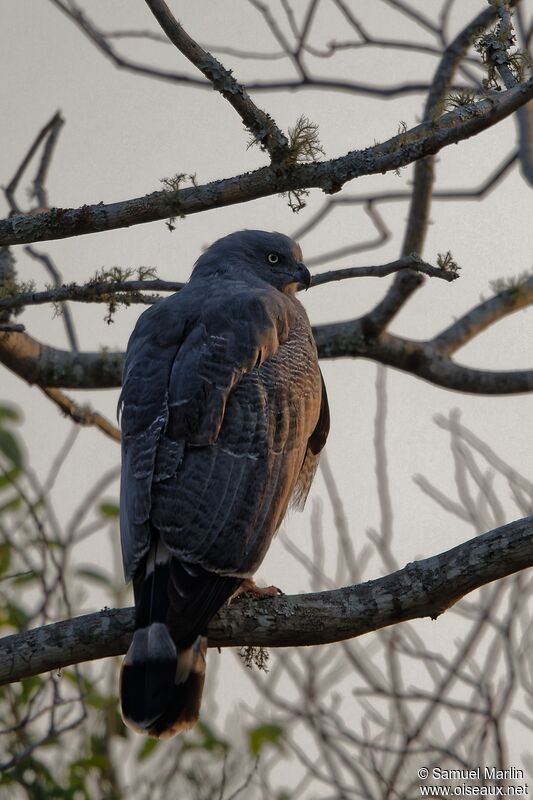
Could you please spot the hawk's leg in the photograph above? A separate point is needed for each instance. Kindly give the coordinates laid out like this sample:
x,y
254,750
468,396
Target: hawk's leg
x,y
249,586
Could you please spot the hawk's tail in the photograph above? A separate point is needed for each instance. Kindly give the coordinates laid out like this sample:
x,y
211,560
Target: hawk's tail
x,y
163,673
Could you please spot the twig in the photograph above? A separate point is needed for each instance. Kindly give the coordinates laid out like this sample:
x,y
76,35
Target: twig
x,y
424,173
82,415
101,292
101,41
261,125
39,189
390,197
51,129
56,277
93,293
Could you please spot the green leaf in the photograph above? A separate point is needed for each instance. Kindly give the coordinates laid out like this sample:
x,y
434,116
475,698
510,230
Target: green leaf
x,y
10,447
268,733
109,509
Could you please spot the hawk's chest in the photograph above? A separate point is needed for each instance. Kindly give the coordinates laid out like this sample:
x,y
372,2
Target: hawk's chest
x,y
286,390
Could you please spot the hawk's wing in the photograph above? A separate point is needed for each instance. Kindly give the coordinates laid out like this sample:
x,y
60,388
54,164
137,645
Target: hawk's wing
x,y
219,401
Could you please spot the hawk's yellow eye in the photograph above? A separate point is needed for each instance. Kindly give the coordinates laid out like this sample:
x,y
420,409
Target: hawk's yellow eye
x,y
273,258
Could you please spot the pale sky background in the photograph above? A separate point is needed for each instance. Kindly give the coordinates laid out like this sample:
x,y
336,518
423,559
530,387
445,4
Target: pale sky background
x,y
124,133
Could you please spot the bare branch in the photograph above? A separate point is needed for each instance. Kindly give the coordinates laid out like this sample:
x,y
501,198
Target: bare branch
x,y
101,41
421,589
130,291
482,316
82,415
424,172
261,125
94,292
56,277
474,193
348,339
50,130
429,360
50,367
381,271
330,176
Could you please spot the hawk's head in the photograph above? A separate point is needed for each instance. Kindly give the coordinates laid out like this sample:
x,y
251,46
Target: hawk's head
x,y
273,257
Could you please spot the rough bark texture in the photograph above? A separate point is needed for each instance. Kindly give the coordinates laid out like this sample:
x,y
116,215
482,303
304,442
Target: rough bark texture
x,y
421,589
330,176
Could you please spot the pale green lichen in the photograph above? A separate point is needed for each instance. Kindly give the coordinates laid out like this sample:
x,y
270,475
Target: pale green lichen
x,y
513,283
446,262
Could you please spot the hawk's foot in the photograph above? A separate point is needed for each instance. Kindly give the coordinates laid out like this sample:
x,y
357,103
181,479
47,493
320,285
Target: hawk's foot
x,y
249,586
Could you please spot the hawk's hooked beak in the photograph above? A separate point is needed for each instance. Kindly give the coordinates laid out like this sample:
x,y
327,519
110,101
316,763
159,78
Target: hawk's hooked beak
x,y
304,277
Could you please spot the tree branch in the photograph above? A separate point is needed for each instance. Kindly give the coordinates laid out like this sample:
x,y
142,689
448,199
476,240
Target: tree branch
x,y
405,148
475,193
37,363
421,589
82,415
95,292
482,316
132,291
261,125
406,284
49,133
429,360
101,40
411,262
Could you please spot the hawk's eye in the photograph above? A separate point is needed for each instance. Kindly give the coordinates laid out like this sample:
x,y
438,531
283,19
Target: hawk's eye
x,y
273,258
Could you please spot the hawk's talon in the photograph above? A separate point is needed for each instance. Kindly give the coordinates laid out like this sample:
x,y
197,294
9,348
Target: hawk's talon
x,y
249,587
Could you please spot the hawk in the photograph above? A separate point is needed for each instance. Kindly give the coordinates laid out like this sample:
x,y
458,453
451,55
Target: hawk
x,y
223,414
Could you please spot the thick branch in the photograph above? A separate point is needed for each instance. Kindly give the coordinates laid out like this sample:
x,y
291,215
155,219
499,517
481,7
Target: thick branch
x,y
482,316
50,367
429,360
348,340
421,589
330,176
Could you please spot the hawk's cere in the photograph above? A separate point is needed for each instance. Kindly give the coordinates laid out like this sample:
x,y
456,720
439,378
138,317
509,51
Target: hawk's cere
x,y
224,414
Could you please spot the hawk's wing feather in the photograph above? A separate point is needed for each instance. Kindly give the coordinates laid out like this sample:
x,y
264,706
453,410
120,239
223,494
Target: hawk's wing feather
x,y
186,359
